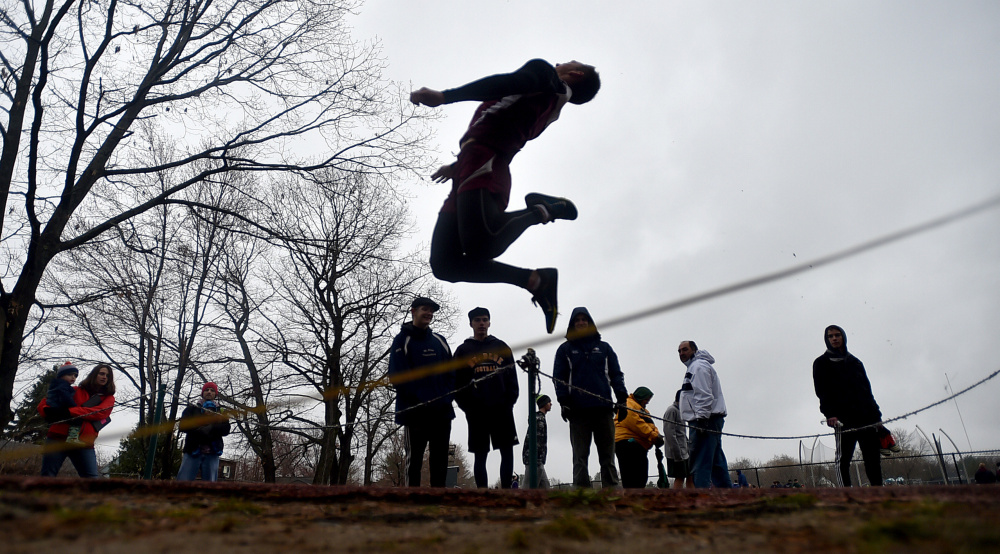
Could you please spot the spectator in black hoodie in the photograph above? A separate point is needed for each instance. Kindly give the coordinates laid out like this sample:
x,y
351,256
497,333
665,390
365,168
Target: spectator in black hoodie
x,y
487,391
586,374
425,389
845,398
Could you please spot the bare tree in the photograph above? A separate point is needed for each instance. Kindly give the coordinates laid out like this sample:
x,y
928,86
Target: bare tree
x,y
242,300
143,301
345,284
84,84
390,461
375,430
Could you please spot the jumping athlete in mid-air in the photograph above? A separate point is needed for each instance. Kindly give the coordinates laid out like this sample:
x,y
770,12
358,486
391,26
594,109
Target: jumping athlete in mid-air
x,y
473,227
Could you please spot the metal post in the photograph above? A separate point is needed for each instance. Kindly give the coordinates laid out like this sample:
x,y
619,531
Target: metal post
x,y
944,473
958,471
147,472
530,362
940,457
953,457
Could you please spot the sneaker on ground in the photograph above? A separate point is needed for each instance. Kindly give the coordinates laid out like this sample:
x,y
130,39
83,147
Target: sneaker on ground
x,y
545,296
885,452
558,208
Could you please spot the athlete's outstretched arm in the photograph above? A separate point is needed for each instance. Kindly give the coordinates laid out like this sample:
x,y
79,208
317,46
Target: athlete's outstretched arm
x,y
534,76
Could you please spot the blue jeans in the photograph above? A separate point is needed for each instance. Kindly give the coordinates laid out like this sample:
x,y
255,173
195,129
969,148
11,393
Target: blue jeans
x,y
83,459
207,464
708,462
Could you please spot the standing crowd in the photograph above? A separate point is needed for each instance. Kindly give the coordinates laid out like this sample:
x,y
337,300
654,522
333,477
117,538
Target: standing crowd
x,y
481,378
593,399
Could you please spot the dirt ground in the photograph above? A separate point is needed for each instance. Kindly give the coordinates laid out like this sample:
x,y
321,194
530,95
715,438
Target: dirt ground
x,y
112,515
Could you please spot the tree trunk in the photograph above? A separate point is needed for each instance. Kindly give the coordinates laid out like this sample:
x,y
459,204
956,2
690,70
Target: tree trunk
x,y
14,310
346,458
327,458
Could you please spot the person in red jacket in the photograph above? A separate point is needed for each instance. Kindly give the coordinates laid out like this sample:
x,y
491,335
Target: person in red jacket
x,y
95,398
473,227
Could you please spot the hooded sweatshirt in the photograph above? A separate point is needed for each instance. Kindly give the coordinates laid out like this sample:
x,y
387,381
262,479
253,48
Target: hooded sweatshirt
x,y
590,364
204,436
701,393
842,386
674,433
428,396
489,379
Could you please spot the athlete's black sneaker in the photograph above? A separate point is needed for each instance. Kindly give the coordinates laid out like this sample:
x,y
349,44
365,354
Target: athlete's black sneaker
x,y
558,208
545,296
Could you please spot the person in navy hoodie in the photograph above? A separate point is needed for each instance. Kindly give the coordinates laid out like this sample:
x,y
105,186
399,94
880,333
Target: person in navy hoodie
x,y
61,394
204,424
585,374
424,397
487,391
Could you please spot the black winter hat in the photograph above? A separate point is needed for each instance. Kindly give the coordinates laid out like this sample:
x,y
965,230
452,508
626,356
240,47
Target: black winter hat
x,y
476,312
424,301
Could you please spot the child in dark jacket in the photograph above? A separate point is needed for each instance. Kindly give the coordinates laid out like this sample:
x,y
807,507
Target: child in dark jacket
x,y
203,445
60,395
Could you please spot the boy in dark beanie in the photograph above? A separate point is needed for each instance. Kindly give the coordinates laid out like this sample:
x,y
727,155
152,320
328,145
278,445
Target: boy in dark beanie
x,y
60,395
544,404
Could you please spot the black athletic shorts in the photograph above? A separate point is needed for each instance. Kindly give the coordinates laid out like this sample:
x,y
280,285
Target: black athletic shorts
x,y
494,426
678,469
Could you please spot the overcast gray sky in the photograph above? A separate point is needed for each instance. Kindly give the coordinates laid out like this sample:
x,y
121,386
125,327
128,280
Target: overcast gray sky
x,y
730,140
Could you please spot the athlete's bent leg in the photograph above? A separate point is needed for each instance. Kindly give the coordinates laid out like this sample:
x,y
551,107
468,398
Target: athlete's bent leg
x,y
450,263
486,231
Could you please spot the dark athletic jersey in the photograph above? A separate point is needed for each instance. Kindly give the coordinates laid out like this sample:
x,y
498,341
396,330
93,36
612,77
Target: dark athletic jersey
x,y
516,106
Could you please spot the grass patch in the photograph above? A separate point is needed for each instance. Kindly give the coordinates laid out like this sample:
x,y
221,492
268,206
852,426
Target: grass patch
x,y
881,534
237,506
104,514
575,528
182,514
518,539
928,524
583,497
225,524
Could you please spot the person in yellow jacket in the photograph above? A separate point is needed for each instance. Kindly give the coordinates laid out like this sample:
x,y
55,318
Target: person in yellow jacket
x,y
634,436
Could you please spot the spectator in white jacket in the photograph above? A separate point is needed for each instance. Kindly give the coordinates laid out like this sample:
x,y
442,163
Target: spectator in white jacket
x,y
704,408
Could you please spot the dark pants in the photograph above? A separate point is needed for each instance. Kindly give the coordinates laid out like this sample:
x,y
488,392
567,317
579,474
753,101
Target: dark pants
x,y
466,242
597,425
869,441
417,437
506,467
633,463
